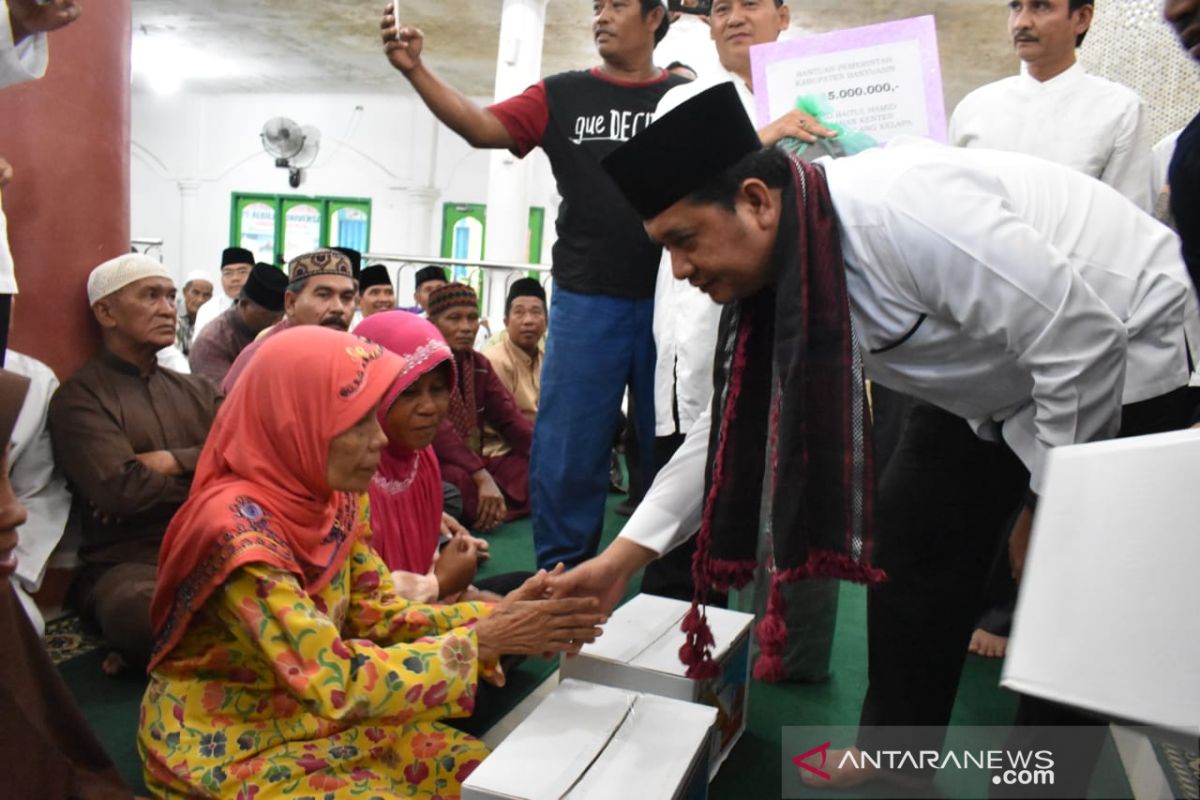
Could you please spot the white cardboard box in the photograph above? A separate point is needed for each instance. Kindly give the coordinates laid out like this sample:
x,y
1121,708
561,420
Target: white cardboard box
x,y
640,651
1106,619
592,742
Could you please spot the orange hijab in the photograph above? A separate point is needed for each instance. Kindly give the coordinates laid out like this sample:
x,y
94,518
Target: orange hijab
x,y
260,493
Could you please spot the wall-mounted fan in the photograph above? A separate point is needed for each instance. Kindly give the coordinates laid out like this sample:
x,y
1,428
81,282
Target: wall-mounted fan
x,y
293,146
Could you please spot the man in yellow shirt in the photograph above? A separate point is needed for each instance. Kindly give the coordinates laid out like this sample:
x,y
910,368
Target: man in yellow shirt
x,y
517,356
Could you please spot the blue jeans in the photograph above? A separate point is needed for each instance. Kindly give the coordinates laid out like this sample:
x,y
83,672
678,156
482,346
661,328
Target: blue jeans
x,y
597,345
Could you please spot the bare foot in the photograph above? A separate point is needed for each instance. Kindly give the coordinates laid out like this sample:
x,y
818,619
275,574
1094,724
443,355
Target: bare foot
x,y
113,664
988,645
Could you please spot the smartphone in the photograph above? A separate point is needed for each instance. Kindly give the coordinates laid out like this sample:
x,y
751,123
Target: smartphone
x,y
701,7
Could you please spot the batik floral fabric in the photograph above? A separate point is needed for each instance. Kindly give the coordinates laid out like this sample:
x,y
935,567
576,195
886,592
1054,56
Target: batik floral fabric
x,y
274,693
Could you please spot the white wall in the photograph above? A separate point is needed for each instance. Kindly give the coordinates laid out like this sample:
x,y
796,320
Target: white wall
x,y
192,152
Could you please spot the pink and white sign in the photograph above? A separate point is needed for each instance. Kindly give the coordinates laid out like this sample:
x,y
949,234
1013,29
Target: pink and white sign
x,y
883,80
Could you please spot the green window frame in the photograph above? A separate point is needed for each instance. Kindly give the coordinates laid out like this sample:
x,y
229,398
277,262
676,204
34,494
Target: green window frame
x,y
327,208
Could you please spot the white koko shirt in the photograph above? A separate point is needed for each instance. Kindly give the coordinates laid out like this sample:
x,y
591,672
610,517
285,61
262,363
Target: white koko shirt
x,y
36,482
1091,124
1045,301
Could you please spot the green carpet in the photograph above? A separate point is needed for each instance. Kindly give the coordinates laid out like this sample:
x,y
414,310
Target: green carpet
x,y
753,768
111,706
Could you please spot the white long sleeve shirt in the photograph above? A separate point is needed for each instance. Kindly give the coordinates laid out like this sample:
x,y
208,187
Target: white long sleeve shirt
x,y
1045,301
36,481
22,62
1088,123
18,62
685,318
173,358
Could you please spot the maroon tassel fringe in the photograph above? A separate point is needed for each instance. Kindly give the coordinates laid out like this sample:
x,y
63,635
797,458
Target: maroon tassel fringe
x,y
696,651
828,564
772,636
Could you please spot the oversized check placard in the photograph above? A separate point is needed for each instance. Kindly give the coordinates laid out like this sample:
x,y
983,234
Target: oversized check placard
x,y
883,80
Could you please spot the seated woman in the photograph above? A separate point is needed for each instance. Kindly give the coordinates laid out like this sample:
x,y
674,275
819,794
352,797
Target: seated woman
x,y
407,518
285,665
495,489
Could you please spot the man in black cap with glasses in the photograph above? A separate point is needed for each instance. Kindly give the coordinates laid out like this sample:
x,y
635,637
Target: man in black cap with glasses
x,y
236,263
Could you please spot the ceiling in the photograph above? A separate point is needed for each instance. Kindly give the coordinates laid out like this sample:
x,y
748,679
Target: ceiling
x,y
322,46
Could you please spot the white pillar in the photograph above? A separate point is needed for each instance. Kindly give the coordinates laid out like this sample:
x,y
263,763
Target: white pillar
x,y
189,194
518,64
414,209
411,211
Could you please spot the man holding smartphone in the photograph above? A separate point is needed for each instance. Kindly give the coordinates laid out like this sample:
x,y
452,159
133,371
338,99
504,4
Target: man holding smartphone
x,y
600,336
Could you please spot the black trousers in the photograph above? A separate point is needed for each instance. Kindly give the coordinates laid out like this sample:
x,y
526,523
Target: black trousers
x,y
946,503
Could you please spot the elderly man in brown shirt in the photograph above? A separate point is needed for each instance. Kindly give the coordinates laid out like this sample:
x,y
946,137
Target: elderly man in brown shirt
x,y
127,434
516,356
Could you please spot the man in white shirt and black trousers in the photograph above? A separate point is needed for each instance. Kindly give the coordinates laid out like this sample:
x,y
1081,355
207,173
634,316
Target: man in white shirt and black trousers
x,y
1034,302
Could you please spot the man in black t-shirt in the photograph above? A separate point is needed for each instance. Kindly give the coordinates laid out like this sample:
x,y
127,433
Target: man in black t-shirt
x,y
600,336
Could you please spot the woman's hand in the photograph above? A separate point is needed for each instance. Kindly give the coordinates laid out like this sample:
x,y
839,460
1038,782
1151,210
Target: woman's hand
x,y
536,587
529,627
491,509
451,528
456,565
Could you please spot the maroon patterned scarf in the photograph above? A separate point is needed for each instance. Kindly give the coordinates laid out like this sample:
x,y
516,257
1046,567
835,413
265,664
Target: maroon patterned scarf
x,y
790,444
464,409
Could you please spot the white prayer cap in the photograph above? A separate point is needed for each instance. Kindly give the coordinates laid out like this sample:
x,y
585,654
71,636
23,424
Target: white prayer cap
x,y
197,275
117,273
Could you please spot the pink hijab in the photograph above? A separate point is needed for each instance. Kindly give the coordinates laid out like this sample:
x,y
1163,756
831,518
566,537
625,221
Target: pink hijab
x,y
406,492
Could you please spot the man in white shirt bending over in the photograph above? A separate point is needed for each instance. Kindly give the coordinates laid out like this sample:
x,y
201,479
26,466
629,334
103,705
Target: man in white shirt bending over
x,y
1054,109
1034,303
685,334
685,319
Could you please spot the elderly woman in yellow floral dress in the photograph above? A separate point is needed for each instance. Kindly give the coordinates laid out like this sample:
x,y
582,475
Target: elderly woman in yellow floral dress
x,y
285,664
